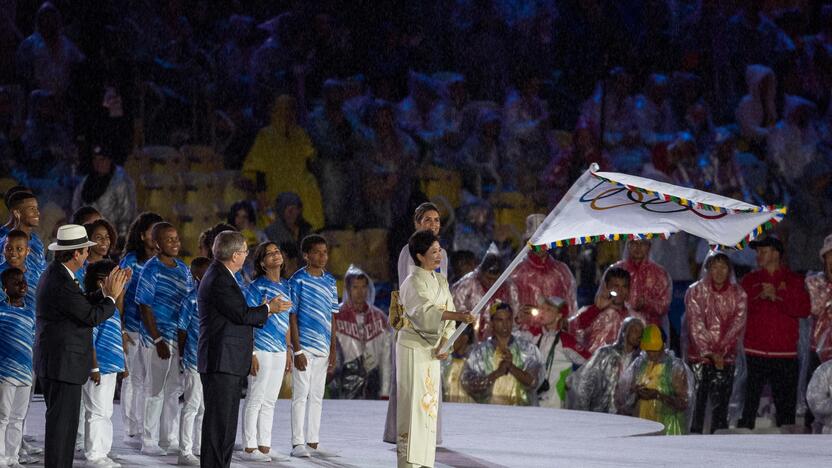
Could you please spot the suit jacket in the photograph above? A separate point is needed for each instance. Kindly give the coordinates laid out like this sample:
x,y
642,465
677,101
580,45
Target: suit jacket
x,y
226,334
65,319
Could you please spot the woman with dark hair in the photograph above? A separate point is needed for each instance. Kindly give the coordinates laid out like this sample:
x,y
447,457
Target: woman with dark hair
x,y
108,189
242,216
140,247
104,235
429,322
269,361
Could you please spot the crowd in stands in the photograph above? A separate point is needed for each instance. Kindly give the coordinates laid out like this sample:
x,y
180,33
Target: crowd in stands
x,y
282,119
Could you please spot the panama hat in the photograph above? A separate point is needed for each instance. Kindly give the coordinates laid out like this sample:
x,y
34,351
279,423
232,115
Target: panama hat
x,y
71,237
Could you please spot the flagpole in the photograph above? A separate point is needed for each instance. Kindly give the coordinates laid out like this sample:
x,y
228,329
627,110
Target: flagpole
x,y
567,198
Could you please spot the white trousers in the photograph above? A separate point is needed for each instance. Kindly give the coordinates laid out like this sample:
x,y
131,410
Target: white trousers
x,y
162,388
132,388
98,409
13,404
261,396
190,423
307,400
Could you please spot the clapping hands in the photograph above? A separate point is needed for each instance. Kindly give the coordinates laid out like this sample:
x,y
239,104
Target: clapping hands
x,y
115,281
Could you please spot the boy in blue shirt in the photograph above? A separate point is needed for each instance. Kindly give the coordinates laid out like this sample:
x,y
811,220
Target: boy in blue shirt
x,y
24,208
190,421
17,322
108,361
164,284
315,300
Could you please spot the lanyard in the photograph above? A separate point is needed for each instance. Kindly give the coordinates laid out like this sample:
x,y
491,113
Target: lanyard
x,y
550,358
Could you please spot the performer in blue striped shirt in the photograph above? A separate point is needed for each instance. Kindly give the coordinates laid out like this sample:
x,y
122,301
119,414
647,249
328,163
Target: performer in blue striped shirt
x,y
164,283
315,297
138,249
17,322
108,361
269,361
15,253
24,207
190,421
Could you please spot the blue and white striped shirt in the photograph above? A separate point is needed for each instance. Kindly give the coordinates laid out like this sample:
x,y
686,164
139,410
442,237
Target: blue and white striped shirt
x,y
81,274
315,299
163,289
32,280
132,315
272,337
189,321
109,351
16,339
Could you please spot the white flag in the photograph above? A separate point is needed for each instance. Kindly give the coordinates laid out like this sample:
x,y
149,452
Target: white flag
x,y
613,206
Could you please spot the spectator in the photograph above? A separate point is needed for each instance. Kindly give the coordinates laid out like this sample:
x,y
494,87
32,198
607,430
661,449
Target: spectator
x,y
721,173
474,228
45,59
333,136
363,342
819,286
819,396
471,288
421,114
505,369
387,160
537,277
653,113
715,314
593,387
483,156
574,160
452,390
810,218
289,226
282,153
598,324
85,215
559,353
241,215
657,386
793,142
650,285
757,111
109,190
777,299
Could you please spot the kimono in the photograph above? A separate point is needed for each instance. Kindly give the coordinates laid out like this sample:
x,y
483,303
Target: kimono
x,y
425,296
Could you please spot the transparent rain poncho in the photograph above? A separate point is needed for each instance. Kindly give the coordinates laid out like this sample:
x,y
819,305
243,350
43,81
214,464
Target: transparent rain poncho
x,y
819,396
364,341
820,292
714,323
536,278
650,287
595,328
506,390
468,291
669,376
592,387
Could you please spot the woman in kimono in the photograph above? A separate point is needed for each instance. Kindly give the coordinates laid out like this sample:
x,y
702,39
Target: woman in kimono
x,y
429,309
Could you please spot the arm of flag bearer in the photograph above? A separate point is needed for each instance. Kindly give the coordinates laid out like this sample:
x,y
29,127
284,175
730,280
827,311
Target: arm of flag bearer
x,y
609,206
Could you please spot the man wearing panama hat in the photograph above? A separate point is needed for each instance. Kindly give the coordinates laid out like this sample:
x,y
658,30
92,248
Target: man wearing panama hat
x,y
63,339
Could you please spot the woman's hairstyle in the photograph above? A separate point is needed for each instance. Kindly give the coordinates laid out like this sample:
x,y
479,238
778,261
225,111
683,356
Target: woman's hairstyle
x,y
99,223
260,254
142,223
241,205
420,242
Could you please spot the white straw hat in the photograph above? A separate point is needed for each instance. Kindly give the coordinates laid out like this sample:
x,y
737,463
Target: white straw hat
x,y
71,237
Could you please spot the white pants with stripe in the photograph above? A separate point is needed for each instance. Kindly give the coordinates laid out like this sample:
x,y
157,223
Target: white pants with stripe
x,y
307,400
162,389
98,410
258,415
132,388
190,423
14,401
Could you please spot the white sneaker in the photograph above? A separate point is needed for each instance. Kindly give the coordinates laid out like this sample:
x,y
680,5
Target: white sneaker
x,y
30,448
318,453
153,450
300,451
277,456
26,458
103,463
255,456
188,459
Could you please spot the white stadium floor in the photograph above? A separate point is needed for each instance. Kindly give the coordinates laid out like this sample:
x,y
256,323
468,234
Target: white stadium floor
x,y
484,436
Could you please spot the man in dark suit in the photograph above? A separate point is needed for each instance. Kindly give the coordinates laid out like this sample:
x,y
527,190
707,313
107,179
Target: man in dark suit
x,y
63,339
226,343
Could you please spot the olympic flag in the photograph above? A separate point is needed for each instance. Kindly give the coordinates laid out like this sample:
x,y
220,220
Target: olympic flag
x,y
609,206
